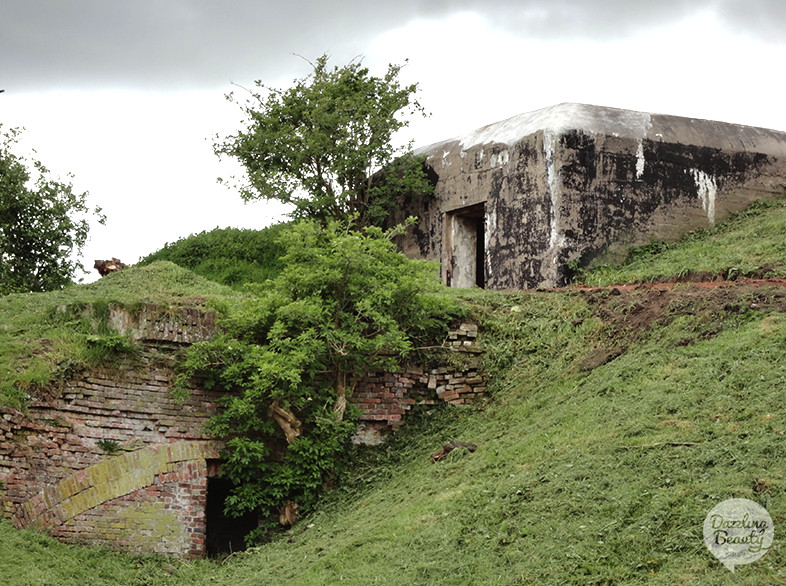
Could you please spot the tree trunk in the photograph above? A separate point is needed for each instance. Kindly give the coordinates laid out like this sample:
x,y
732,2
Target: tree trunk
x,y
289,513
341,395
286,420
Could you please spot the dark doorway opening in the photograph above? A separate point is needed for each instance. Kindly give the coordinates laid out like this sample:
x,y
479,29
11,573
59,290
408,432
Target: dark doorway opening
x,y
467,239
224,534
480,253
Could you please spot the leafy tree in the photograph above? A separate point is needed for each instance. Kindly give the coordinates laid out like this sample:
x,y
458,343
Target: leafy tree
x,y
324,144
345,303
43,224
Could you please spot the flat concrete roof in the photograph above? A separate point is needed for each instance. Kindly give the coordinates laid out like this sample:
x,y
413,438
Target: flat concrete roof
x,y
602,120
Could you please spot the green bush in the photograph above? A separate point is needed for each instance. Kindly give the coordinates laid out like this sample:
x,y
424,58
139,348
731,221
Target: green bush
x,y
346,302
230,256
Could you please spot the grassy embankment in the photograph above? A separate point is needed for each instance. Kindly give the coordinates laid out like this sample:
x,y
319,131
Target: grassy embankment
x,y
48,336
749,244
617,422
229,256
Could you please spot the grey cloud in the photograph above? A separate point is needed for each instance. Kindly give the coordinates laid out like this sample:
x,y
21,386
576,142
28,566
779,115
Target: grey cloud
x,y
49,44
765,19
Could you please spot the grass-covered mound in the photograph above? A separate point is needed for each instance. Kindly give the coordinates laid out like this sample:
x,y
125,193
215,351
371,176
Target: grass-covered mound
x,y
617,420
602,451
598,459
230,256
750,244
47,336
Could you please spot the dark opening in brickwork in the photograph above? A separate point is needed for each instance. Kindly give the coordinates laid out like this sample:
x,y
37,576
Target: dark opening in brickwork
x,y
224,534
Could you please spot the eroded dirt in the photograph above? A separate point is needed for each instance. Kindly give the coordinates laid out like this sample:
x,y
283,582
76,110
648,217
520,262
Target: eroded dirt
x,y
631,311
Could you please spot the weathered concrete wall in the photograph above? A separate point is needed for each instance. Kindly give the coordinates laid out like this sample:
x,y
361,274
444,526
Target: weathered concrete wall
x,y
569,182
115,460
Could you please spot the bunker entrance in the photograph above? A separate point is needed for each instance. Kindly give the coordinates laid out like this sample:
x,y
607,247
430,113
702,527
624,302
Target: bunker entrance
x,y
467,238
224,534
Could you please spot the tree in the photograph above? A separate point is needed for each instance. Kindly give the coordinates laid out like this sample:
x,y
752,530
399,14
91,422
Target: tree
x,y
324,144
43,224
345,303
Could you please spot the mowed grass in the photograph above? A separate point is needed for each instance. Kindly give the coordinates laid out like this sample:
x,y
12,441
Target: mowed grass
x,y
751,243
583,475
606,441
580,477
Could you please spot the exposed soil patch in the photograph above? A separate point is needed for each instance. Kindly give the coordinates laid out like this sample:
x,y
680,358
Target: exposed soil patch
x,y
630,311
638,308
600,356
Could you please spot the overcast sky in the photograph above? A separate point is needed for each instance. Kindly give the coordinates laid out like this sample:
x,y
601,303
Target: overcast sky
x,y
128,96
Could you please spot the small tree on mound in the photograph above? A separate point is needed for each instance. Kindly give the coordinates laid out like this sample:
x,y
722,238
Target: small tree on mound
x,y
325,144
346,302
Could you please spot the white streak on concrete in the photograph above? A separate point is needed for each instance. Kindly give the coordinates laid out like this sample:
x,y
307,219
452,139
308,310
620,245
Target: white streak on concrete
x,y
556,239
708,190
491,228
500,159
640,160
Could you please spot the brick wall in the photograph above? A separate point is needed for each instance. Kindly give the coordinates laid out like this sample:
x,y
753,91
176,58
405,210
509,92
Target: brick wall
x,y
385,398
115,460
166,514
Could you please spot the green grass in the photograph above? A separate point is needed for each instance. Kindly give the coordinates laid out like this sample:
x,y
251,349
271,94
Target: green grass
x,y
28,558
573,481
229,256
751,243
616,423
46,336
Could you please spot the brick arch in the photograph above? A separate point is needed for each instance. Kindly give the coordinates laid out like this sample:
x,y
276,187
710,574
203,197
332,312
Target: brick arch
x,y
110,479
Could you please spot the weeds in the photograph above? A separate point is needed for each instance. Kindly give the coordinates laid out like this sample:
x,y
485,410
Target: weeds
x,y
108,446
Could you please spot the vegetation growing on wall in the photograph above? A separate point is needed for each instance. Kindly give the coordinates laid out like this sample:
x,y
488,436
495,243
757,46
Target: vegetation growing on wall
x,y
346,302
48,337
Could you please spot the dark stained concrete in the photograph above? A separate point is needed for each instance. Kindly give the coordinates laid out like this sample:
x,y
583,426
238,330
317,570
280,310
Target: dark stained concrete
x,y
569,183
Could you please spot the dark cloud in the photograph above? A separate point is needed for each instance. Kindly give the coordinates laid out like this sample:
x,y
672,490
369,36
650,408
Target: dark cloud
x,y
51,44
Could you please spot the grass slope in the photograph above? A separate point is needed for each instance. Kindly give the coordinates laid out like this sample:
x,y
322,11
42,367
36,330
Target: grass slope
x,y
229,256
44,336
578,477
618,420
749,244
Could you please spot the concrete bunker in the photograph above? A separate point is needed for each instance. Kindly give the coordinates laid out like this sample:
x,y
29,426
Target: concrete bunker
x,y
567,185
466,241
